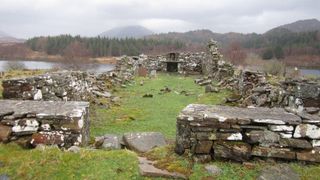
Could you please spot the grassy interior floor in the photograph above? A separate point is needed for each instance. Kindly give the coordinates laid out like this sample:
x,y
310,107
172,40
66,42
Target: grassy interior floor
x,y
134,114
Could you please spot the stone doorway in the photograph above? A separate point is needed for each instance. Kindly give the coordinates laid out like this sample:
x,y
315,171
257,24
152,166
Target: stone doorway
x,y
172,66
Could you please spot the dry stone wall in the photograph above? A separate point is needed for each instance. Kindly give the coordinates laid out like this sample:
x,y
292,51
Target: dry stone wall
x,y
30,123
241,134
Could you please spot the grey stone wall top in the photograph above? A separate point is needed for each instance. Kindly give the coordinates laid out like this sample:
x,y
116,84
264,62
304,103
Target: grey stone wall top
x,y
43,108
198,112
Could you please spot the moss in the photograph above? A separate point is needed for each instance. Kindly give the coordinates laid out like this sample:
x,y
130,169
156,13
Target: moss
x,y
165,158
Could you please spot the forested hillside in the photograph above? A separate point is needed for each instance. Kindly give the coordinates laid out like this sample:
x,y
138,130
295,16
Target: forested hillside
x,y
100,46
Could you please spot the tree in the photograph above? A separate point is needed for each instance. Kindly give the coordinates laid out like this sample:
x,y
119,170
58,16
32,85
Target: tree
x,y
278,52
268,54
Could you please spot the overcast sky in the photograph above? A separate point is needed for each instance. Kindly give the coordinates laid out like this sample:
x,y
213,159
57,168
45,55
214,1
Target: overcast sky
x,y
27,18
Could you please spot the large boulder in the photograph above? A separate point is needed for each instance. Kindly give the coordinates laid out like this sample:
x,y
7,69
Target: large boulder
x,y
144,141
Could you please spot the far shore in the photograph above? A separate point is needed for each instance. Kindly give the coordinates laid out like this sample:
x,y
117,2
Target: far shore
x,y
57,59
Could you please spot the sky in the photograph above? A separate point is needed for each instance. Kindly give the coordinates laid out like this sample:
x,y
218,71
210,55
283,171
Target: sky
x,y
28,18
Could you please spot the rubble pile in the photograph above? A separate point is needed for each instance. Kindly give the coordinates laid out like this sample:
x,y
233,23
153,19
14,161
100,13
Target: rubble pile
x,y
242,134
295,94
30,123
54,86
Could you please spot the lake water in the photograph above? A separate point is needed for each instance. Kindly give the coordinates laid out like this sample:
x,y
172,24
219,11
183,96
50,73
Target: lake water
x,y
32,65
310,72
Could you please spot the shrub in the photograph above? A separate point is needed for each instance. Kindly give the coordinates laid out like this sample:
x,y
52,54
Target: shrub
x,y
274,67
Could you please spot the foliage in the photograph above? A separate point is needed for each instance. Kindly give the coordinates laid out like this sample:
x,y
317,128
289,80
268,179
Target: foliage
x,y
274,67
268,54
100,46
53,163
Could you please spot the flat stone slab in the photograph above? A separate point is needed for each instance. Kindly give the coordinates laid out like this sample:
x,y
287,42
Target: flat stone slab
x,y
144,141
148,169
242,116
278,172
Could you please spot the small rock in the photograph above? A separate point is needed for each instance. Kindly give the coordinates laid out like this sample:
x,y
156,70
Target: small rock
x,y
147,168
210,88
213,170
141,83
147,96
102,94
144,142
74,149
115,99
4,177
278,172
108,142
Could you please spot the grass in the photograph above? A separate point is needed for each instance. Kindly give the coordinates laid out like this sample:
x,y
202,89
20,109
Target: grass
x,y
151,114
54,164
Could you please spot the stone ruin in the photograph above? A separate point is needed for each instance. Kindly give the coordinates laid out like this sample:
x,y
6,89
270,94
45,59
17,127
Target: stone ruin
x,y
242,134
255,90
30,123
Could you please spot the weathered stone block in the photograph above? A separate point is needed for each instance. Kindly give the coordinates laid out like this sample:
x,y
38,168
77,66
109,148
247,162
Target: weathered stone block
x,y
264,138
5,132
143,142
273,152
203,147
312,155
295,143
237,151
307,130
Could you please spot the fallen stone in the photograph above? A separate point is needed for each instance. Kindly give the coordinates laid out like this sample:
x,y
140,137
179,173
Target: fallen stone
x,y
5,132
102,94
4,177
148,169
307,130
201,158
213,170
74,149
295,143
278,172
273,152
210,88
143,142
108,142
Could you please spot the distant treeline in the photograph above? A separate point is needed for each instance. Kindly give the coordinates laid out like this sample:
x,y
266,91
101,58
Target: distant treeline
x,y
76,46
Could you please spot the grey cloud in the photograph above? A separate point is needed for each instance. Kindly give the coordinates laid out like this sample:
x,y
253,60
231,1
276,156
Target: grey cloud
x,y
51,17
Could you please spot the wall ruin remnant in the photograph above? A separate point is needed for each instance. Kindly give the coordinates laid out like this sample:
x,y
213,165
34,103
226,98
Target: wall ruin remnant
x,y
30,123
240,134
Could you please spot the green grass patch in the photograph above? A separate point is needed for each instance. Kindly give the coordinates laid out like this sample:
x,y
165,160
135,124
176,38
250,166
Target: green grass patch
x,y
152,114
55,164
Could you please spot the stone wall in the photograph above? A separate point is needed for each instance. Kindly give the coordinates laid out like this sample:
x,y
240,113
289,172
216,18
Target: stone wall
x,y
53,86
241,134
30,123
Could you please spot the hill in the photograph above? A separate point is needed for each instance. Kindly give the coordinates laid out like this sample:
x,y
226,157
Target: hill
x,y
127,32
306,25
6,38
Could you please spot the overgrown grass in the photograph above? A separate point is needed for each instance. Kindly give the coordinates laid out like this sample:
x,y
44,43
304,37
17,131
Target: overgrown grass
x,y
152,114
55,164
